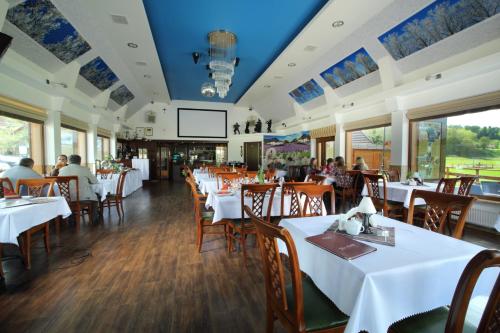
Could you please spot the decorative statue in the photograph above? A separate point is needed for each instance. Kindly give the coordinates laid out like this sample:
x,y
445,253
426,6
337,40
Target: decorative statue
x,y
269,124
247,128
236,128
258,126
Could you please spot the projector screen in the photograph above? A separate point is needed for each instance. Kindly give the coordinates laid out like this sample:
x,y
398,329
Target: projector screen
x,y
201,123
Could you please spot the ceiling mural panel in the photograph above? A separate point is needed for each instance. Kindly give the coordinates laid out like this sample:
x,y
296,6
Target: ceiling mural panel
x,y
99,74
41,20
439,20
121,95
263,28
307,92
351,68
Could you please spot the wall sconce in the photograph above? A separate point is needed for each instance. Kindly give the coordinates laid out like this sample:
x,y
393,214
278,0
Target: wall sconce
x,y
241,151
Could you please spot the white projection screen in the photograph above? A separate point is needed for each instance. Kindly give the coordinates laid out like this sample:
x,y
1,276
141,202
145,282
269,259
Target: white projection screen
x,y
201,123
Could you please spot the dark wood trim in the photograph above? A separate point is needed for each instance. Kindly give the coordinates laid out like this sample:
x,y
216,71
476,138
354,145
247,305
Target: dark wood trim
x,y
211,110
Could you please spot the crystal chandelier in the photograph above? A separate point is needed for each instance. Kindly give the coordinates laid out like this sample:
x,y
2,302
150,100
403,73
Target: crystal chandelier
x,y
222,53
208,89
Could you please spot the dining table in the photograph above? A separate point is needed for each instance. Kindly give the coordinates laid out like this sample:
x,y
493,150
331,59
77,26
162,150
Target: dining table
x,y
16,220
418,274
401,192
133,182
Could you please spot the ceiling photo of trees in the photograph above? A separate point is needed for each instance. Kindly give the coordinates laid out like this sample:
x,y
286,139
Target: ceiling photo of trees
x,y
351,68
439,20
306,92
121,95
99,74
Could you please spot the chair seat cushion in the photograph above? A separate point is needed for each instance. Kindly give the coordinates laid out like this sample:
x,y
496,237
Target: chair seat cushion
x,y
207,215
319,312
428,322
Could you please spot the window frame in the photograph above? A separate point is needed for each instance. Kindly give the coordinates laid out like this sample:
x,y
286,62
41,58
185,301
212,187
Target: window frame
x,y
73,128
347,143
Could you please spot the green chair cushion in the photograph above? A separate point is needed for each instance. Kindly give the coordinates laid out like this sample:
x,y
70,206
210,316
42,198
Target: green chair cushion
x,y
433,321
207,215
319,312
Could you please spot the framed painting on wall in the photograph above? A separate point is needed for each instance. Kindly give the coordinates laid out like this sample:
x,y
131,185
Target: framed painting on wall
x,y
149,131
139,131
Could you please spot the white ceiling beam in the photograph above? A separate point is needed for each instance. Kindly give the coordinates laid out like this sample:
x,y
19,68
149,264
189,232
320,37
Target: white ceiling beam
x,y
101,100
4,7
68,74
390,74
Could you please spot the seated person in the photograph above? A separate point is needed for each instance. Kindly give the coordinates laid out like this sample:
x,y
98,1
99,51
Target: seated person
x,y
339,166
22,171
62,161
85,178
360,164
328,168
313,169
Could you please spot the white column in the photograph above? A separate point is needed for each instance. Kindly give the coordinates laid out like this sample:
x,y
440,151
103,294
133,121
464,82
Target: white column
x,y
52,136
92,141
399,141
313,148
115,130
339,136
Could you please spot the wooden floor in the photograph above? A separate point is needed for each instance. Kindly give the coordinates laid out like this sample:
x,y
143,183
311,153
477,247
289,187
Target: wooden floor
x,y
141,275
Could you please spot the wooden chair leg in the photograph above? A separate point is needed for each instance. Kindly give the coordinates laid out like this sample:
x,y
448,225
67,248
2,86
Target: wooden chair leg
x,y
46,237
200,236
243,245
118,209
229,239
121,207
58,226
27,249
269,319
77,221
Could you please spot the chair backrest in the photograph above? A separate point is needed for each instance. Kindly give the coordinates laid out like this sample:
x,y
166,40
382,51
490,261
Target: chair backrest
x,y
392,175
438,206
490,319
5,184
274,272
36,187
317,179
312,204
447,185
121,183
258,194
287,189
63,184
225,178
270,174
372,182
104,173
250,174
371,171
465,185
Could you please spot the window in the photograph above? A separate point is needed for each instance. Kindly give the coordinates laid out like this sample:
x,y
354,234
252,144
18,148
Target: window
x,y
467,144
19,139
103,148
373,144
325,149
74,141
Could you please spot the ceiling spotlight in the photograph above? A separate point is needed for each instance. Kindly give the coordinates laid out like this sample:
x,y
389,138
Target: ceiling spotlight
x,y
283,124
267,86
52,83
292,64
278,77
196,57
132,45
147,76
433,77
208,89
337,24
236,61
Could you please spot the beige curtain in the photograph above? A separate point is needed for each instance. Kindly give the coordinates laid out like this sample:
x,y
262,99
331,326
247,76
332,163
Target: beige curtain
x,y
18,109
323,132
103,132
74,123
368,123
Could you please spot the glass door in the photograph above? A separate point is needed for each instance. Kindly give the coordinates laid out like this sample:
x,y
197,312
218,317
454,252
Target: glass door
x,y
325,149
163,158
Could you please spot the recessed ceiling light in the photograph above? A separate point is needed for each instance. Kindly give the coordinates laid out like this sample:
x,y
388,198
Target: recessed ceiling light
x,y
310,48
337,24
267,86
292,64
132,45
278,77
119,19
140,63
147,76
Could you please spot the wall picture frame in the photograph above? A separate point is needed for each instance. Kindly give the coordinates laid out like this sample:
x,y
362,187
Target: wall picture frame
x,y
139,131
148,131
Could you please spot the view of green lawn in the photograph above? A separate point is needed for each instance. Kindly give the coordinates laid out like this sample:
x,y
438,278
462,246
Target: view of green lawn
x,y
458,164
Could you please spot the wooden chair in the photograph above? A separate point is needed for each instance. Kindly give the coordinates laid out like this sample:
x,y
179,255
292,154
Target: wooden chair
x,y
270,174
371,171
6,187
300,306
317,179
116,200
346,187
452,319
311,197
204,218
447,185
295,209
238,230
437,207
226,178
392,175
104,173
465,184
35,188
251,174
379,197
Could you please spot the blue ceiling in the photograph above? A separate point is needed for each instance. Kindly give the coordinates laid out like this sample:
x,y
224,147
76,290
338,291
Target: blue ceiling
x,y
264,29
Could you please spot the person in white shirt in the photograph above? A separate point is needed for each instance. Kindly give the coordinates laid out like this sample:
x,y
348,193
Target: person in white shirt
x,y
85,178
22,171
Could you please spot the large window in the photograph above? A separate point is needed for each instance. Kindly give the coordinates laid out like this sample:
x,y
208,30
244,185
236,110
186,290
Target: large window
x,y
373,144
102,148
19,139
467,144
74,141
325,149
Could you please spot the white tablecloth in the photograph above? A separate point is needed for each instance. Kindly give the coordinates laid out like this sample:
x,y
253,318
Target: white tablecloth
x,y
15,220
133,182
418,274
402,193
143,165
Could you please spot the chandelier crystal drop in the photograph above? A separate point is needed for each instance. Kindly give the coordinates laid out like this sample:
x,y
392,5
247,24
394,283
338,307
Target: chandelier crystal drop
x,y
208,89
222,53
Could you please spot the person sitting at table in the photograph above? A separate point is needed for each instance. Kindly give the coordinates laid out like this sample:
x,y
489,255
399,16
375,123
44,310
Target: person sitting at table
x,y
85,177
328,168
62,161
313,169
360,164
339,166
24,170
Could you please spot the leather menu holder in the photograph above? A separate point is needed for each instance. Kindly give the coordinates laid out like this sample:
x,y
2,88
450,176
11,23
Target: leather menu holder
x,y
340,245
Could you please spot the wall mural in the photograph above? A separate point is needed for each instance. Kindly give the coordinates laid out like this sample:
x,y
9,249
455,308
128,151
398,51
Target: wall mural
x,y
121,95
41,20
439,20
99,74
282,150
349,69
306,92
